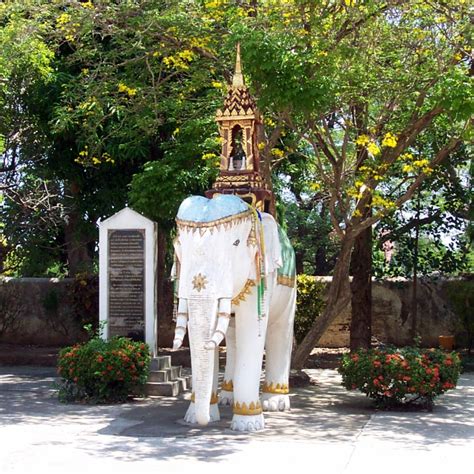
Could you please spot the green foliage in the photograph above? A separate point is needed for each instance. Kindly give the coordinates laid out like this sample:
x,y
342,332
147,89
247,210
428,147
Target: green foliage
x,y
309,304
394,377
101,371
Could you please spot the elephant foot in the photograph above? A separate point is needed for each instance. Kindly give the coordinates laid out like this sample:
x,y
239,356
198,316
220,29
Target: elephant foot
x,y
275,402
226,398
190,416
247,422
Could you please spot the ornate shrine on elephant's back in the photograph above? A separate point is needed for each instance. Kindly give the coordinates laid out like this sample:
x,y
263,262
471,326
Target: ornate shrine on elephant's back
x,y
240,126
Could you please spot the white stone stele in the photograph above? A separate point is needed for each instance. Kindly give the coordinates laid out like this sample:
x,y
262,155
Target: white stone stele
x,y
128,219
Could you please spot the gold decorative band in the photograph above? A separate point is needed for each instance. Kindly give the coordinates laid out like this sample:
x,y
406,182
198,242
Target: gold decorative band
x,y
214,398
286,281
217,223
249,284
227,385
275,388
248,410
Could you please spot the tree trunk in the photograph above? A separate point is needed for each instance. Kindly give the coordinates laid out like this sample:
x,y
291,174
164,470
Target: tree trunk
x,y
414,298
361,288
164,290
78,258
337,299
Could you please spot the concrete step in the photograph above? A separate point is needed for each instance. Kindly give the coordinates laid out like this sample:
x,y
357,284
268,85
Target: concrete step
x,y
163,389
165,375
160,363
185,383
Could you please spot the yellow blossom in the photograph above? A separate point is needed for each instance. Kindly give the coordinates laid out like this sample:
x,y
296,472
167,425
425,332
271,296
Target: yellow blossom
x,y
268,121
63,19
278,153
95,160
315,186
187,55
85,71
261,146
357,213
362,140
88,4
216,84
373,149
407,169
407,156
127,90
350,3
208,156
420,163
389,140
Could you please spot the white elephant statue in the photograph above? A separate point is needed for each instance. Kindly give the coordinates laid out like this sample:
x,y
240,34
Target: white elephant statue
x,y
231,260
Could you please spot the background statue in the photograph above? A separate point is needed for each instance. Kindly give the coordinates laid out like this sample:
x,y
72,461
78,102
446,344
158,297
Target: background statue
x,y
231,259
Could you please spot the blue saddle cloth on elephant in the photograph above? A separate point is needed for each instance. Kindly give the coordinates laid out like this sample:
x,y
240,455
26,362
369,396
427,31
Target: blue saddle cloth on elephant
x,y
287,272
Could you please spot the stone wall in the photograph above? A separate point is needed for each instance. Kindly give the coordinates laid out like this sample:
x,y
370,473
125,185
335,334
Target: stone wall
x,y
392,318
40,311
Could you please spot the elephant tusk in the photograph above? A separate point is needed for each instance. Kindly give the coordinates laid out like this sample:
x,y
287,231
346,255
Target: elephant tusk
x,y
223,319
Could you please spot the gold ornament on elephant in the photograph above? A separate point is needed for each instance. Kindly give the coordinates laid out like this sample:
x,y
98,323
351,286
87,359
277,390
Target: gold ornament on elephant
x,y
254,408
227,385
281,389
199,282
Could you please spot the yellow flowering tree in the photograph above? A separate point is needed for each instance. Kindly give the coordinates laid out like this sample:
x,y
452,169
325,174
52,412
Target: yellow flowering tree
x,y
360,83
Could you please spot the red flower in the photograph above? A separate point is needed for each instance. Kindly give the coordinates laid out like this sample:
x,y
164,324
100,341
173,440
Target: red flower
x,y
380,377
377,363
376,382
406,378
355,357
100,358
448,362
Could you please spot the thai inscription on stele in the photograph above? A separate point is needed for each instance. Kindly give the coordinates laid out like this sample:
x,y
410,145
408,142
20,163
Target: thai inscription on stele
x,y
126,270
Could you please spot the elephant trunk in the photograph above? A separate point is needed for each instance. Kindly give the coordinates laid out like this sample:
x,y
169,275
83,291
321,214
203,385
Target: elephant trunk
x,y
202,320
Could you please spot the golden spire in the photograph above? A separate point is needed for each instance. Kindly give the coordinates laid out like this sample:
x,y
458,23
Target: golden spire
x,y
238,78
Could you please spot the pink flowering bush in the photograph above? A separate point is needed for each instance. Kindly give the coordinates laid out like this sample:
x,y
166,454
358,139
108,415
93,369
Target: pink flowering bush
x,y
101,371
394,377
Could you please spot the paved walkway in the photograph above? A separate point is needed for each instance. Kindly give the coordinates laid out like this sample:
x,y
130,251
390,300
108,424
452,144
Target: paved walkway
x,y
328,430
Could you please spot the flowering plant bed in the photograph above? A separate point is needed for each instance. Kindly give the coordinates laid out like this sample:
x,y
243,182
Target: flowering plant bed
x,y
401,377
101,371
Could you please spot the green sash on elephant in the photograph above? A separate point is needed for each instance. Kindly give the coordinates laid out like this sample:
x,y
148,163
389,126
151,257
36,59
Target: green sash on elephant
x,y
287,272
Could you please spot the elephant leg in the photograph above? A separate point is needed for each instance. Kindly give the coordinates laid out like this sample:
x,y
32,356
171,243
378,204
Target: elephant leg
x,y
250,341
214,414
226,395
278,346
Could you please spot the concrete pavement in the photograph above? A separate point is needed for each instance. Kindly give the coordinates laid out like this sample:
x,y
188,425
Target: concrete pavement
x,y
327,429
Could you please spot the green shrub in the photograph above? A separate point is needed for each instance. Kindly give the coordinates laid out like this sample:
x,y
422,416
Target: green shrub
x,y
394,377
99,371
309,304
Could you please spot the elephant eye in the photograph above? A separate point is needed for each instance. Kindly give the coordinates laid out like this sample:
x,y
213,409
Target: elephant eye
x,y
237,242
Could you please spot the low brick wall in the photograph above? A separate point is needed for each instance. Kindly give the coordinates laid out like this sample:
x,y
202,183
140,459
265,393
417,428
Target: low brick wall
x,y
40,311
